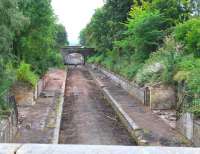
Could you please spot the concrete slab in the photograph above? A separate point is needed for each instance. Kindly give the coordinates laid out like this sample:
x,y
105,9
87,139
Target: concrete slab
x,y
87,149
9,148
71,149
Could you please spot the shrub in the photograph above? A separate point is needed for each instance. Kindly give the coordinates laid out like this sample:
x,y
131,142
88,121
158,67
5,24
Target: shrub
x,y
188,71
25,74
189,34
55,59
95,59
161,64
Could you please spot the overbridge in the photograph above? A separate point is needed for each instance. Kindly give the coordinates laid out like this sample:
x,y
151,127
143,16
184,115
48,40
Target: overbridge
x,y
73,55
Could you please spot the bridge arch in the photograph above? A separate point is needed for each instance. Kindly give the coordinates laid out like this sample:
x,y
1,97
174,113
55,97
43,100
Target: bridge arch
x,y
71,52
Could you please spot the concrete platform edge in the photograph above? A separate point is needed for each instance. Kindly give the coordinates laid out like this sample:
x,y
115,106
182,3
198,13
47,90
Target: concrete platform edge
x,y
130,125
59,115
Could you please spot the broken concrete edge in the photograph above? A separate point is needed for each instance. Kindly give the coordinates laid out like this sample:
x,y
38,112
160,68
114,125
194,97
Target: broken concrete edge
x,y
131,126
92,149
134,130
59,111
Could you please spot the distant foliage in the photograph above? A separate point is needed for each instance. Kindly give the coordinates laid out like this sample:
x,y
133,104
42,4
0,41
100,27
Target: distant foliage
x,y
174,11
139,39
106,25
61,36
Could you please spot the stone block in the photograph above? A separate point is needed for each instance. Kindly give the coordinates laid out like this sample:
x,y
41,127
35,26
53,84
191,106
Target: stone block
x,y
162,97
24,94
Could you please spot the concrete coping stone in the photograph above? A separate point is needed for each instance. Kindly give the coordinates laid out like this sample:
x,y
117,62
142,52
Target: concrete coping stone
x,y
132,124
59,113
9,148
91,149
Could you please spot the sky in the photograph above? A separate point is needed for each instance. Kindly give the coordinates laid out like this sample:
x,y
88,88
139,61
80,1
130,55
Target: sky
x,y
75,15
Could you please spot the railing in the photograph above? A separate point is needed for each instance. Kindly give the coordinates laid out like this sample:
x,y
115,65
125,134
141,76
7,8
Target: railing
x,y
93,149
187,102
8,117
8,104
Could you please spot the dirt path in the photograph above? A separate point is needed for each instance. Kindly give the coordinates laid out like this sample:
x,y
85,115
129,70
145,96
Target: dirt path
x,y
87,118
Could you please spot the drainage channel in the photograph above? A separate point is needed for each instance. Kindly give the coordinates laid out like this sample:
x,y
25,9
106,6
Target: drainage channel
x,y
87,118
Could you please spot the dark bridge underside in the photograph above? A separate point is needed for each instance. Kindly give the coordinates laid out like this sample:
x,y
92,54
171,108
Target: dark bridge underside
x,y
76,49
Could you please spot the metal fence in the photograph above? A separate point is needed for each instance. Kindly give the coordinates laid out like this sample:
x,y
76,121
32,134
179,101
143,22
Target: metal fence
x,y
8,104
8,117
187,102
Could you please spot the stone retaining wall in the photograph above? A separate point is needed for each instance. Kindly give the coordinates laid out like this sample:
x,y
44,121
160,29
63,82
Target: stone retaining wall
x,y
134,90
26,96
160,97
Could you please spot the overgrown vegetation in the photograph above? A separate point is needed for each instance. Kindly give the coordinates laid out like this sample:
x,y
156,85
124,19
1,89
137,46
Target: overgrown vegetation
x,y
25,74
157,43
30,39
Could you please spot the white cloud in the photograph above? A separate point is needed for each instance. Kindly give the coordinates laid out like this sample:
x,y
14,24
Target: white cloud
x,y
75,14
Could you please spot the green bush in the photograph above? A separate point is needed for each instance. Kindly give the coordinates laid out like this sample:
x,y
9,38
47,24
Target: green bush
x,y
189,34
166,58
145,30
25,74
188,71
95,59
55,59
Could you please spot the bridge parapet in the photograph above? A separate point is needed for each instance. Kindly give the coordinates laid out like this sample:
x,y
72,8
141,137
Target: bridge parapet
x,y
91,149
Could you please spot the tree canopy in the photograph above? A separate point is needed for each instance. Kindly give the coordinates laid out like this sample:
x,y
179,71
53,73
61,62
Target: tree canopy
x,y
29,33
149,42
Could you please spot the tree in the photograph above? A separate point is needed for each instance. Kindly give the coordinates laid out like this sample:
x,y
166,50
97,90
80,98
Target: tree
x,y
36,44
12,21
106,25
61,36
174,11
